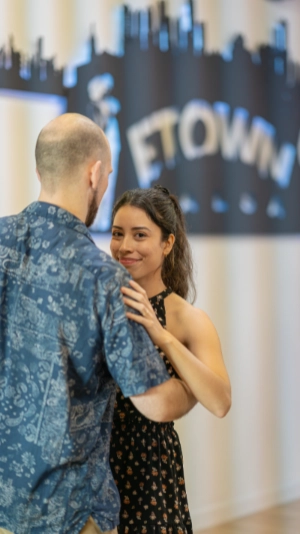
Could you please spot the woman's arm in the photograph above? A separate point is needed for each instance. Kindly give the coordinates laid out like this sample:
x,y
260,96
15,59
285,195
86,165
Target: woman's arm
x,y
166,402
199,361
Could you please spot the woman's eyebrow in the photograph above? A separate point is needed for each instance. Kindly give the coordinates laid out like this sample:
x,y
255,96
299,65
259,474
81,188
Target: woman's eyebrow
x,y
133,228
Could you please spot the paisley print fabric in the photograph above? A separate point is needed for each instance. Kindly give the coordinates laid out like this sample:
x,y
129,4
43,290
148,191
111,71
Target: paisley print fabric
x,y
147,465
64,343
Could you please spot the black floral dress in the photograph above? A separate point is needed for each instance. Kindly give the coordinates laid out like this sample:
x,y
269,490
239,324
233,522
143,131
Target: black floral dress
x,y
147,465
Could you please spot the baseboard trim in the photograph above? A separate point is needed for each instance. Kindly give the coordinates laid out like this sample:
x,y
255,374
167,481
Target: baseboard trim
x,y
223,512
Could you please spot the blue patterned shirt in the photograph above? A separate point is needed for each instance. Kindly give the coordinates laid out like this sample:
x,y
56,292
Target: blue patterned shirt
x,y
64,344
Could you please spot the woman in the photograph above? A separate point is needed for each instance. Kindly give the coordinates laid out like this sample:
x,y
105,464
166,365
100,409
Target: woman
x,y
149,239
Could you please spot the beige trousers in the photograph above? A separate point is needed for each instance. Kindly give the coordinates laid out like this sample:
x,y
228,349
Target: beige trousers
x,y
92,528
89,528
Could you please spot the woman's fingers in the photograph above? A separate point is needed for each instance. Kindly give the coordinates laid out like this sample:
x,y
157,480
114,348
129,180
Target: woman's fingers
x,y
139,306
137,287
132,292
135,295
136,298
134,317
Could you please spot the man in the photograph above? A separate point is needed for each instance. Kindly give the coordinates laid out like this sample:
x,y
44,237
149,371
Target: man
x,y
64,343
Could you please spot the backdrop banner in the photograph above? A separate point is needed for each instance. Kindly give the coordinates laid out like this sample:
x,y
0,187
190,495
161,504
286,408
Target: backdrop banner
x,y
221,130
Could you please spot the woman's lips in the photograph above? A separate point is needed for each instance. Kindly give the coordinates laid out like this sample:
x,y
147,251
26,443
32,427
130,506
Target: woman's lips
x,y
128,261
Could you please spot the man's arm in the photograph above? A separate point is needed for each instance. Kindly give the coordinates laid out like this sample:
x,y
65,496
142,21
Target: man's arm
x,y
166,402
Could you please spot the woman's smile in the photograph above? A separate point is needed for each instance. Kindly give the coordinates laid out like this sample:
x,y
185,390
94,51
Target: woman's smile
x,y
127,261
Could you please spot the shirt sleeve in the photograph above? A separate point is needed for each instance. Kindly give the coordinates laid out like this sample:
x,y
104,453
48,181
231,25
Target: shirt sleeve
x,y
131,357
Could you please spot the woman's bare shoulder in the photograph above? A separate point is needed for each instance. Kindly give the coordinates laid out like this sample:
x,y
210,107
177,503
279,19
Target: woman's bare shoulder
x,y
183,318
182,309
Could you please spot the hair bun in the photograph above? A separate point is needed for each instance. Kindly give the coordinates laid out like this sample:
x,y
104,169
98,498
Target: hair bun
x,y
162,189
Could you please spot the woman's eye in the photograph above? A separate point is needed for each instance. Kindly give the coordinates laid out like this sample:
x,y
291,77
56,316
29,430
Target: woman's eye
x,y
140,235
116,234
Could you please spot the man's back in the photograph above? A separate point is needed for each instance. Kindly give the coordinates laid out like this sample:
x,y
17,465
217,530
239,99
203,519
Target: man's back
x,y
63,336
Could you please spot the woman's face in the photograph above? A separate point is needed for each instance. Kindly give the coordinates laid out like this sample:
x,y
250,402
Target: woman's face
x,y
137,243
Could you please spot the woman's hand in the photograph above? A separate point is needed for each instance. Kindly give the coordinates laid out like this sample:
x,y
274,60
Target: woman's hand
x,y
136,298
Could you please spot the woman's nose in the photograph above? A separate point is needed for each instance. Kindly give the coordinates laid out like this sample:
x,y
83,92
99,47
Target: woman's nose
x,y
126,244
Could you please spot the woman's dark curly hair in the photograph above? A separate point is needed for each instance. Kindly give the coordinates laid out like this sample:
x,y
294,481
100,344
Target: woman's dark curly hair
x,y
164,210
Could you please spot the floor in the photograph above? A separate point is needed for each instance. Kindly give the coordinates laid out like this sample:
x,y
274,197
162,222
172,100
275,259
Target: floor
x,y
284,519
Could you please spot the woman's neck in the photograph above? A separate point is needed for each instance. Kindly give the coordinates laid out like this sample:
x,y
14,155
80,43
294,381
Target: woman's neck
x,y
152,287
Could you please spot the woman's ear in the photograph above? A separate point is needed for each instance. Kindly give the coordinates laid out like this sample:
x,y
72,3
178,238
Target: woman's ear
x,y
168,244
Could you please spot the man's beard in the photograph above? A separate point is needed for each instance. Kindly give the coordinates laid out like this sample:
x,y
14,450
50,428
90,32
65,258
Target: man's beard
x,y
92,211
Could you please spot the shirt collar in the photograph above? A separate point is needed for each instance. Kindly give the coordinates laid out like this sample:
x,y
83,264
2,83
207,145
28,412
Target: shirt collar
x,y
59,215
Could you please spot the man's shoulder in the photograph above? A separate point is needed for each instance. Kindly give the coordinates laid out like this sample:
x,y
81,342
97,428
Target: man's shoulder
x,y
9,219
101,264
9,227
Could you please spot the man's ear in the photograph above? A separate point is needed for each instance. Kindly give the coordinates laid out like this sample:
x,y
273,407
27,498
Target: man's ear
x,y
38,175
95,173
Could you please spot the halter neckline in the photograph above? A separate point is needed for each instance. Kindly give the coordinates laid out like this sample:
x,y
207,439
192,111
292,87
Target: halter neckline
x,y
162,295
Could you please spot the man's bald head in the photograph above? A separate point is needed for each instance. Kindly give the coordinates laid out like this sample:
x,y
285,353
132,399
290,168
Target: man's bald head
x,y
65,146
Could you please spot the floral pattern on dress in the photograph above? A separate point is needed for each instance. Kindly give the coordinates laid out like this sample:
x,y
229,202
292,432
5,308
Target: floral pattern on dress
x,y
147,465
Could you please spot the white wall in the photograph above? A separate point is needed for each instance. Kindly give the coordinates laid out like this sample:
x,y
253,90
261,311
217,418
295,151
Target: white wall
x,y
249,460
249,286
